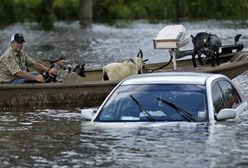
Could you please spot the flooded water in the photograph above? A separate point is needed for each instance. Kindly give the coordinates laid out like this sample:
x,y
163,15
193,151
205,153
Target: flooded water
x,y
102,44
60,138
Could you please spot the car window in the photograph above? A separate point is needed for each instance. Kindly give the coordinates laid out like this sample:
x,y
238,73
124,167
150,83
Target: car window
x,y
137,102
224,95
231,96
218,100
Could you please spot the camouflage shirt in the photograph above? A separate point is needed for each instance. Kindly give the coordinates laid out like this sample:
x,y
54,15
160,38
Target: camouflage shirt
x,y
11,63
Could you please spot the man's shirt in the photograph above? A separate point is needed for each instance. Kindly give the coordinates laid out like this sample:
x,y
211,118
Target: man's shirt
x,y
11,62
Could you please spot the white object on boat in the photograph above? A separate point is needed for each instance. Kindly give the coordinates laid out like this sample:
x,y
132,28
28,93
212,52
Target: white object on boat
x,y
171,37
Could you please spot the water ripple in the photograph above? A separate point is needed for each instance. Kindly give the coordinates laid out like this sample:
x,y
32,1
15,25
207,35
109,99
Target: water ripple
x,y
59,138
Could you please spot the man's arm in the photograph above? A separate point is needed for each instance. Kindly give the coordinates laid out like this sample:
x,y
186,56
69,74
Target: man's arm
x,y
40,67
43,68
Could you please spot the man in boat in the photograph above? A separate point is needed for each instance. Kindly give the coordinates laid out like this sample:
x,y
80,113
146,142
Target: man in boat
x,y
14,63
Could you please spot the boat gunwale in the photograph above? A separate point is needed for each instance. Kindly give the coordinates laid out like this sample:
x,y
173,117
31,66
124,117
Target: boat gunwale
x,y
56,85
93,83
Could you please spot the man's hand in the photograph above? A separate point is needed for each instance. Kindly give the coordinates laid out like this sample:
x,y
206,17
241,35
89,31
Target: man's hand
x,y
39,78
41,68
52,72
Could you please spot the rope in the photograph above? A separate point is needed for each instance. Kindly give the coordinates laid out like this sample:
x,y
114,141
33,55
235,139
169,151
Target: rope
x,y
163,65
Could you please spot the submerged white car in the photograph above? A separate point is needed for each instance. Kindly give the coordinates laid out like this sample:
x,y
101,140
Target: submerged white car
x,y
174,97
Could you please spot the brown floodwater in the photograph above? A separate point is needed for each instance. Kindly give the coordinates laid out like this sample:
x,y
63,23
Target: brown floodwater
x,y
60,138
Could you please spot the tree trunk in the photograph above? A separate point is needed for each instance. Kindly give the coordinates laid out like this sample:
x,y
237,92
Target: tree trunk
x,y
86,13
179,10
47,15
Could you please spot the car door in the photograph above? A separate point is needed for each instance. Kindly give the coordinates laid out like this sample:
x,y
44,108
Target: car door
x,y
225,95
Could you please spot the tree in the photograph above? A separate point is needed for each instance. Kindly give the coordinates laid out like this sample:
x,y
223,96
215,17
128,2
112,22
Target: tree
x,y
179,10
86,13
46,16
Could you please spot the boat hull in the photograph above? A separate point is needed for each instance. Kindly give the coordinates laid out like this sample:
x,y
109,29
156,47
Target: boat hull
x,y
88,94
93,90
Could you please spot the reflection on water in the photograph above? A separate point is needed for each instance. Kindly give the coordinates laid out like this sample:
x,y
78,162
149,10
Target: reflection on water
x,y
59,138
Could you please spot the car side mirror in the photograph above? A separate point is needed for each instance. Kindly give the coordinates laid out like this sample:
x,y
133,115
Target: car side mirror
x,y
226,113
88,114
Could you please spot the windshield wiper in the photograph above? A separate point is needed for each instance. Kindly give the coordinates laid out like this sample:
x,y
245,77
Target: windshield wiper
x,y
186,115
142,109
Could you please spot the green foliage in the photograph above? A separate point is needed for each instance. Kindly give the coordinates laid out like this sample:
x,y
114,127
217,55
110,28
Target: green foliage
x,y
103,10
212,9
133,9
7,14
166,9
45,14
25,10
109,10
66,9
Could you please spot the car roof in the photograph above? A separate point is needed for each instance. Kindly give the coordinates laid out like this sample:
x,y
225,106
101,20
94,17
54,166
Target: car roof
x,y
170,78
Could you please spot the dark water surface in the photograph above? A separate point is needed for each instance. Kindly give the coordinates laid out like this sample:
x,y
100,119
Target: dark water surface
x,y
60,138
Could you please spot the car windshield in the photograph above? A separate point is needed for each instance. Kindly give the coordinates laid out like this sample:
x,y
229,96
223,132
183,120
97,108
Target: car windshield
x,y
157,102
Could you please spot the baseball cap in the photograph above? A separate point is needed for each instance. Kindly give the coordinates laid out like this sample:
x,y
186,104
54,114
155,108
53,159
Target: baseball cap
x,y
17,37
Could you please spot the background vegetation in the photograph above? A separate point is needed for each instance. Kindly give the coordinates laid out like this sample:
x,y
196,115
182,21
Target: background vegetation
x,y
106,10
